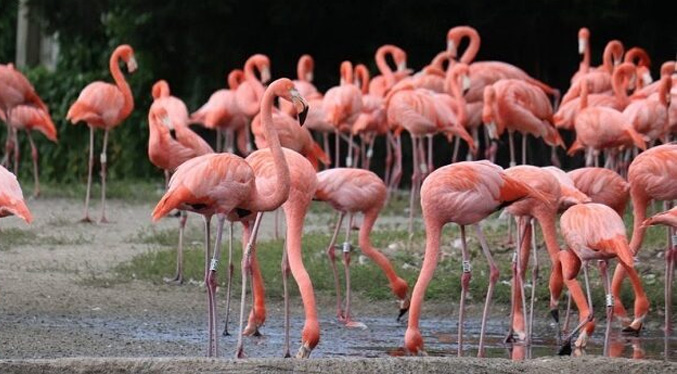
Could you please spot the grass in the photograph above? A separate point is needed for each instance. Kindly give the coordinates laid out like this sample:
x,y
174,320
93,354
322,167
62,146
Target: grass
x,y
13,237
129,190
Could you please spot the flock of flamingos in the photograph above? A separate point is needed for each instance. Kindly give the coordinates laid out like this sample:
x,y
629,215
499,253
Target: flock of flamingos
x,y
453,96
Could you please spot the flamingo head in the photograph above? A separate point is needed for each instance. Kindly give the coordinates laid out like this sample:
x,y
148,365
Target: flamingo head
x,y
126,53
583,37
291,94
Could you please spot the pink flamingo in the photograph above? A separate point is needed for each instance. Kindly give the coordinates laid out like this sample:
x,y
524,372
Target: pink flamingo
x,y
649,116
599,127
381,84
567,112
545,212
351,191
226,185
571,195
171,143
603,186
104,105
250,92
302,189
464,193
596,232
16,90
222,113
29,118
11,198
651,175
600,78
372,121
342,105
514,104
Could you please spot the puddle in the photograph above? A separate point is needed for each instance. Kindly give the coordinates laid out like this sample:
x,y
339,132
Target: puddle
x,y
383,337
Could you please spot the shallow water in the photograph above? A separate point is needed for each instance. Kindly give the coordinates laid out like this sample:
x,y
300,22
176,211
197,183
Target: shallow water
x,y
383,337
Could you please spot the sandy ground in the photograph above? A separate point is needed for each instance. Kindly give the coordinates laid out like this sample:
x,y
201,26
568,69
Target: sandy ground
x,y
50,310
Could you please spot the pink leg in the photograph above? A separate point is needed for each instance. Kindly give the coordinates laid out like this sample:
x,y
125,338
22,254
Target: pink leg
x,y
347,248
414,183
465,284
337,149
325,141
104,162
89,175
246,268
511,142
16,150
332,259
493,278
34,155
210,282
231,268
178,277
285,276
431,165
457,145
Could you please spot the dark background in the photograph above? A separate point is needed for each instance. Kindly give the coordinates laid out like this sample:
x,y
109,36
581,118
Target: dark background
x,y
194,44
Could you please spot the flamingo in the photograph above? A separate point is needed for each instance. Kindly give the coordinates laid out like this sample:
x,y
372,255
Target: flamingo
x,y
603,186
545,212
29,118
291,136
571,195
221,112
372,121
170,144
599,78
226,185
16,90
464,193
649,116
651,175
518,105
381,84
565,115
421,112
302,189
342,105
11,198
351,191
249,92
596,232
599,127
104,105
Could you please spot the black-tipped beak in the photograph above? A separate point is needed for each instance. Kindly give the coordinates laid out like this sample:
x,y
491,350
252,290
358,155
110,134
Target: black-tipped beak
x,y
403,311
303,115
172,133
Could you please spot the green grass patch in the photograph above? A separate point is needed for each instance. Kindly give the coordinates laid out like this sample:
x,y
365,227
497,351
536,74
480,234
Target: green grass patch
x,y
11,237
130,190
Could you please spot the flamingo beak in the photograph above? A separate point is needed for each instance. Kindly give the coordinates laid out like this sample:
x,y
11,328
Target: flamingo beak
x,y
402,66
309,76
466,83
304,352
131,64
451,48
581,46
265,75
300,104
404,308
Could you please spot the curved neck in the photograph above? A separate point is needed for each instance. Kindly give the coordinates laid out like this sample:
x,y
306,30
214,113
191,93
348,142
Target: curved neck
x,y
235,78
362,75
455,90
304,68
347,73
383,66
664,89
619,81
612,54
584,93
268,203
639,55
439,59
547,222
473,47
397,285
585,63
160,89
250,77
121,83
432,248
639,205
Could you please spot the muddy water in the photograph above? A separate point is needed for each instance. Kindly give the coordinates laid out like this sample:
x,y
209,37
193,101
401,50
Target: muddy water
x,y
383,337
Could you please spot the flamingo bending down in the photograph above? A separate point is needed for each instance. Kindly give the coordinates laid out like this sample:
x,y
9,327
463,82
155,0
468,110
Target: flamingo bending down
x,y
104,105
351,191
16,90
29,118
222,113
11,198
596,232
226,185
171,143
464,193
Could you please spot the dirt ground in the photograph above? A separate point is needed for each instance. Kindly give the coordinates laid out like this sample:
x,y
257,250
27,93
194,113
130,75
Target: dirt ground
x,y
53,319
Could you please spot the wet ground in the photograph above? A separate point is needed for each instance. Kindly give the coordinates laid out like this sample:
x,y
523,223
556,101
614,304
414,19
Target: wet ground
x,y
46,311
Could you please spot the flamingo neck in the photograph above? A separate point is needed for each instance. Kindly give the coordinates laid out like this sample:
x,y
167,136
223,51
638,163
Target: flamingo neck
x,y
270,202
432,248
383,66
619,82
585,63
584,93
473,47
123,86
452,84
304,68
664,89
639,205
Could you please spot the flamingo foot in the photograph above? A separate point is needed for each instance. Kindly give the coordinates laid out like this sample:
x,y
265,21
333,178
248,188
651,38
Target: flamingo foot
x,y
355,325
103,219
86,219
225,332
240,353
251,331
631,331
176,281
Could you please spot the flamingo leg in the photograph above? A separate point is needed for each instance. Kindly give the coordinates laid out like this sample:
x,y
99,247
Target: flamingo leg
x,y
104,162
347,248
511,143
397,173
211,348
332,258
211,283
603,268
325,143
388,161
248,137
493,278
370,153
89,175
534,279
465,284
517,287
246,268
669,276
337,148
15,135
178,277
565,349
414,184
218,140
457,145
554,159
567,316
34,155
285,275
277,224
231,268
349,156
8,142
431,165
